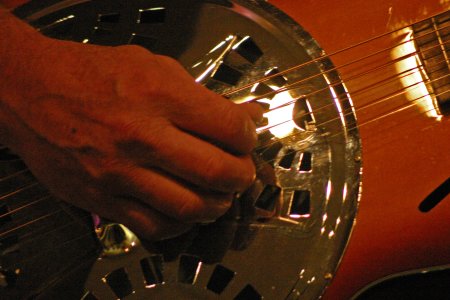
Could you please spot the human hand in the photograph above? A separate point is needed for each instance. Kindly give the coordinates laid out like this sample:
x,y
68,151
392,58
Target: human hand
x,y
127,134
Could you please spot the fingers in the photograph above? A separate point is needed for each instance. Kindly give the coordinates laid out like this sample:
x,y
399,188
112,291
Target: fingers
x,y
144,220
191,159
172,197
208,115
219,120
156,206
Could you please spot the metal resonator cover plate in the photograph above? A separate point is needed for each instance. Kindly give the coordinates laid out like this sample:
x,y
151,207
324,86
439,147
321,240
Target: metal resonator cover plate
x,y
285,236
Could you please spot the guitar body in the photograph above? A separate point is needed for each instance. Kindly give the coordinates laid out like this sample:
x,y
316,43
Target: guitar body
x,y
405,153
405,156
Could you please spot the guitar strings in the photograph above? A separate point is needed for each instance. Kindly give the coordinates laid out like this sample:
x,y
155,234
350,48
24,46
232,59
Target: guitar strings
x,y
36,255
52,229
328,56
385,81
349,112
265,146
43,217
359,125
377,84
346,80
414,101
16,210
334,84
314,61
294,84
403,107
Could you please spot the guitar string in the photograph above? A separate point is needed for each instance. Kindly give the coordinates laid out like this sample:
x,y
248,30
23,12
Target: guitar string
x,y
398,109
9,231
16,174
16,210
352,77
52,229
267,78
328,56
20,189
47,230
286,88
378,84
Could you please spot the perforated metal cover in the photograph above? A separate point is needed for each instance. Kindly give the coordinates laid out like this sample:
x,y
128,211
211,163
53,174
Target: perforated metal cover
x,y
284,237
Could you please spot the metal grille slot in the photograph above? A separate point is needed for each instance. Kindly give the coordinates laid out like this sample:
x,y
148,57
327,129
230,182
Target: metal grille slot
x,y
152,15
288,159
109,18
188,269
248,293
305,162
119,282
141,40
152,269
103,36
268,198
249,50
220,279
227,74
300,206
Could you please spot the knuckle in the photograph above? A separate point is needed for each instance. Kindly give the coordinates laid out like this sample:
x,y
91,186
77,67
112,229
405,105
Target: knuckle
x,y
133,50
239,126
111,174
215,172
233,121
222,177
248,176
169,62
139,134
130,130
188,211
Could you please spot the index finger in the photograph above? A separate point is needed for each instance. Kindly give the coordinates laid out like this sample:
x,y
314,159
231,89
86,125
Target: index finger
x,y
219,120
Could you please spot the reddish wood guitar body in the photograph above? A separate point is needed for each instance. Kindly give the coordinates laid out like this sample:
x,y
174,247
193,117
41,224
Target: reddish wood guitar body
x,y
406,155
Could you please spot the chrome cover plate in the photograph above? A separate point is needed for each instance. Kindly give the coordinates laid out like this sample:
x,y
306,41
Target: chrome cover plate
x,y
285,236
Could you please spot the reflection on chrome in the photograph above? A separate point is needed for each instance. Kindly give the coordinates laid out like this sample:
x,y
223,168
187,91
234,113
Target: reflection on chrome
x,y
413,76
280,115
213,59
